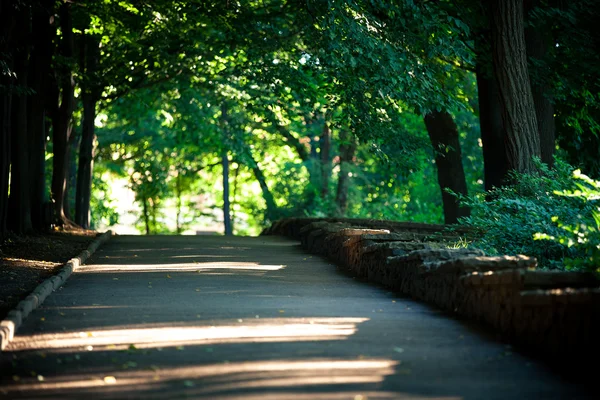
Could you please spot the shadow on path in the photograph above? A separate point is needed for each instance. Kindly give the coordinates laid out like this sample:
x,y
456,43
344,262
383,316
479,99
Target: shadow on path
x,y
251,318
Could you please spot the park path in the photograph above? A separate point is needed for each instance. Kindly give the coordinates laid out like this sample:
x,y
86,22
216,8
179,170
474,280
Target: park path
x,y
250,318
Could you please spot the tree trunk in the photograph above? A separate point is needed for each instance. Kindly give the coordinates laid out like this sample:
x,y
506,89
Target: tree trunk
x,y
20,201
86,147
178,226
510,68
62,118
444,138
226,204
325,146
347,150
41,60
271,213
538,40
146,215
6,87
495,164
72,151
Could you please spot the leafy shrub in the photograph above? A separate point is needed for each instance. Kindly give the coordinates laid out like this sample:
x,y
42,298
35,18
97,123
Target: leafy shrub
x,y
583,235
511,218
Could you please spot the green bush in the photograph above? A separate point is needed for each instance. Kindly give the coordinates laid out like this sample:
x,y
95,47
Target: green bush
x,y
584,235
510,219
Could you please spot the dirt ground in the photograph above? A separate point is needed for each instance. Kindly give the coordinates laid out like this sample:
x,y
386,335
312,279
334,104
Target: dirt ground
x,y
25,261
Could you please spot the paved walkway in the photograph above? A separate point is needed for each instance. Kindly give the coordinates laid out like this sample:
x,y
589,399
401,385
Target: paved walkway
x,y
250,318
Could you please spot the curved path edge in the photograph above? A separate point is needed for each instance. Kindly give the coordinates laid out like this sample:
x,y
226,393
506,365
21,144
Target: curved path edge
x,y
15,317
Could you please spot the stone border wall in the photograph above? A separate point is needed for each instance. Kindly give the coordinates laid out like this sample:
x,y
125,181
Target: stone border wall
x,y
555,314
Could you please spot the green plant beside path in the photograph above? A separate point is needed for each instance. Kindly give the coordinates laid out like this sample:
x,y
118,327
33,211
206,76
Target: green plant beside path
x,y
583,236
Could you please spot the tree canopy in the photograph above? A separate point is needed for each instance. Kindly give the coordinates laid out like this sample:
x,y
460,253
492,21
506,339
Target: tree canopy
x,y
246,112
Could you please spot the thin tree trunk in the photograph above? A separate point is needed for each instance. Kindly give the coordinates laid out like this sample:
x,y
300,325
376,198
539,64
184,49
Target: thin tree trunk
x,y
6,86
226,204
62,118
271,213
86,162
72,152
225,163
510,68
178,226
88,62
20,200
443,133
234,197
347,150
538,40
325,145
495,164
146,215
41,59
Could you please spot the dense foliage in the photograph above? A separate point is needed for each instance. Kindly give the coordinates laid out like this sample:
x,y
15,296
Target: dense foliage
x,y
178,116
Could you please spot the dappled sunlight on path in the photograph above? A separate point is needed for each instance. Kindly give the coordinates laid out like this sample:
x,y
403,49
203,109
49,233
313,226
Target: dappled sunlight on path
x,y
249,331
250,318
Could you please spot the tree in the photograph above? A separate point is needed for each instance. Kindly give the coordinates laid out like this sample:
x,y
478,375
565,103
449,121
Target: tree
x,y
62,113
512,74
444,137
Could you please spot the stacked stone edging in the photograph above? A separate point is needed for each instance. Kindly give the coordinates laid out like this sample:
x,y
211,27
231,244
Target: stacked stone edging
x,y
556,314
15,317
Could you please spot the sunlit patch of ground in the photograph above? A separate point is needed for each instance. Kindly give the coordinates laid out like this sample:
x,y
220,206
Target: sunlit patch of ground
x,y
160,336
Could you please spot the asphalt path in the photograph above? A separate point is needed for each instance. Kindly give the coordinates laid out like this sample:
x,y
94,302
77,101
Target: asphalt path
x,y
251,318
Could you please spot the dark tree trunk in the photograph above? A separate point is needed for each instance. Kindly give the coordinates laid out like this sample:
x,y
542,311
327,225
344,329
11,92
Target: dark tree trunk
x,y
7,11
512,74
226,204
444,138
86,148
347,150
495,164
41,59
325,146
5,153
234,196
146,215
20,201
72,152
225,163
62,118
178,194
271,213
538,40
